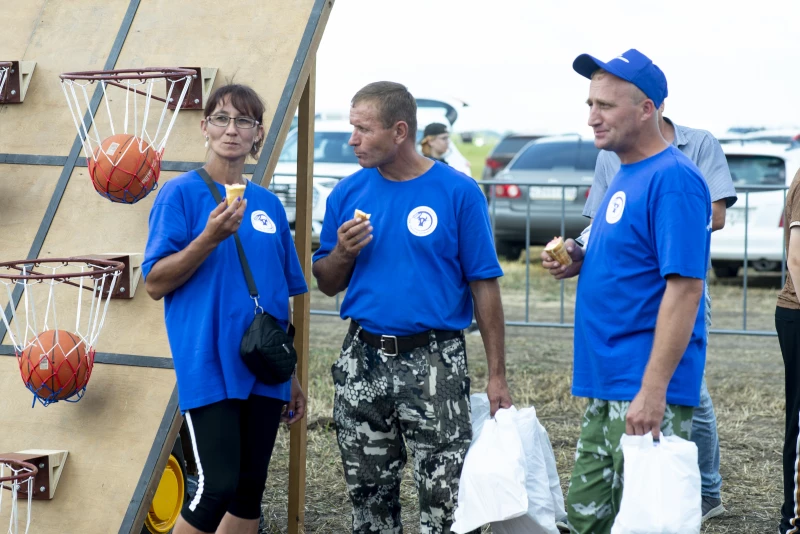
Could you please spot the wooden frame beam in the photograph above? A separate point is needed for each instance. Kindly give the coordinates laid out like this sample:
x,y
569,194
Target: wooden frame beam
x,y
302,303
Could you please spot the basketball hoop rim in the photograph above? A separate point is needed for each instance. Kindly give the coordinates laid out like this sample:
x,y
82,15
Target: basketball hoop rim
x,y
16,464
106,267
128,74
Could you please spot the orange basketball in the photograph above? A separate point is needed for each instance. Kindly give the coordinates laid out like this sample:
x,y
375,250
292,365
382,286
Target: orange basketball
x,y
55,365
124,168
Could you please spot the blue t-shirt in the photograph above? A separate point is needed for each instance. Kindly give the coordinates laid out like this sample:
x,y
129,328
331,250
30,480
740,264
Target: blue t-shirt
x,y
207,316
431,238
654,221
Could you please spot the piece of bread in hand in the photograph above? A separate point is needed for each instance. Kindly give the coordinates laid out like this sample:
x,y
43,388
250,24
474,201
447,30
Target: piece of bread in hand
x,y
558,250
232,192
361,215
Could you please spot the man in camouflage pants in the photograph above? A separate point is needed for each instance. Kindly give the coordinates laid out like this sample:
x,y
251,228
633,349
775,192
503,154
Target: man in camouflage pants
x,y
411,269
425,395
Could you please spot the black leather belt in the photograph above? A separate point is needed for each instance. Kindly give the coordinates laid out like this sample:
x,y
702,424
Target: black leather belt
x,y
394,345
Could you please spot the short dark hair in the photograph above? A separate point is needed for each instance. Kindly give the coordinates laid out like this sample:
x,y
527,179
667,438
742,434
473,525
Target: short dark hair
x,y
244,99
394,104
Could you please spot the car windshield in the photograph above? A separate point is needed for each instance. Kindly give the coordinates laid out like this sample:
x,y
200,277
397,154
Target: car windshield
x,y
577,155
329,147
756,170
512,145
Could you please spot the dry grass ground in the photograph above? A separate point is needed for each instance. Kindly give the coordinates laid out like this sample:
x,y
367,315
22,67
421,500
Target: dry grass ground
x,y
745,377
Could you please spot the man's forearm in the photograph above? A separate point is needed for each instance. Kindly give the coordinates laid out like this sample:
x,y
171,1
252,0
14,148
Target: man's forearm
x,y
333,272
491,322
676,318
718,211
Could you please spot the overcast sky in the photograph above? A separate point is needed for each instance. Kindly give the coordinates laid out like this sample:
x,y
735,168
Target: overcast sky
x,y
727,62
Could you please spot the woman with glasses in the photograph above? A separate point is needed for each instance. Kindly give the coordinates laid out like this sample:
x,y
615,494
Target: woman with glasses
x,y
191,261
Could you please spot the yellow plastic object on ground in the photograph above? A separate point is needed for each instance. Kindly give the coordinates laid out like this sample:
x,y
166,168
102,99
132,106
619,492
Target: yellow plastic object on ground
x,y
168,500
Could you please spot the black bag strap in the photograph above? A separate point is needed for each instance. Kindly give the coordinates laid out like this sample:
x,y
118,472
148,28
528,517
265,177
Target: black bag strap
x,y
248,275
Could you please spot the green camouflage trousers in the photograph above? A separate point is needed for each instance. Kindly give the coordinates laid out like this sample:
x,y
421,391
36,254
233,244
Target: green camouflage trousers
x,y
422,396
595,488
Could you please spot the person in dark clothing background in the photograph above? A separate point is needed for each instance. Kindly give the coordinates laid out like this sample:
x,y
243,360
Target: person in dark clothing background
x,y
435,141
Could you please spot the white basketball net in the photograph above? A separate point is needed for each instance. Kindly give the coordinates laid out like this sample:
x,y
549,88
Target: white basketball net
x,y
14,486
4,68
140,117
38,310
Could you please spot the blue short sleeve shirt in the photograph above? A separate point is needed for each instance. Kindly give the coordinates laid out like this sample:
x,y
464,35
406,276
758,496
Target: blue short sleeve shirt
x,y
655,221
431,238
207,316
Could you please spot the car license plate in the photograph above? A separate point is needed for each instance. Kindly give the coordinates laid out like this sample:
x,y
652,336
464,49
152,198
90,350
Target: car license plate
x,y
553,193
734,216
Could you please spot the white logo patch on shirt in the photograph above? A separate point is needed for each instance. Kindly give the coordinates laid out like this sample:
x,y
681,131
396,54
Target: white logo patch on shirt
x,y
615,207
422,221
262,222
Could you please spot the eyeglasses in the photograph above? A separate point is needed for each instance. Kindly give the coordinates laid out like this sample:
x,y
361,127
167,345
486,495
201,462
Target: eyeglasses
x,y
222,121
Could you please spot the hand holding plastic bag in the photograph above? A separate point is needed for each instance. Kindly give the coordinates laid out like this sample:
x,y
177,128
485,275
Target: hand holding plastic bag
x,y
661,492
492,486
544,507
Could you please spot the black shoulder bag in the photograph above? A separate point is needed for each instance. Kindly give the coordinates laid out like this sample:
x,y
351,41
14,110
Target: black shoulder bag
x,y
266,349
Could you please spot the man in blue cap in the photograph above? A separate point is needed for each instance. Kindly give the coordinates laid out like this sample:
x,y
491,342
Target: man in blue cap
x,y
639,330
705,152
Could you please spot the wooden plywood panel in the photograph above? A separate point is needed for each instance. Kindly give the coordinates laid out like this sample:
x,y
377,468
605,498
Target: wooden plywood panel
x,y
111,431
24,194
19,21
66,35
256,45
108,434
25,191
87,223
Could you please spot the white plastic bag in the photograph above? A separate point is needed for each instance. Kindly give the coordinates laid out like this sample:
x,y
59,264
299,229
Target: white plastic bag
x,y
540,517
492,485
661,492
479,412
556,493
542,484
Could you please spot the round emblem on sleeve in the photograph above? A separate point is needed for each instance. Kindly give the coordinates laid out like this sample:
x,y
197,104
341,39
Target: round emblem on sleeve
x,y
615,207
262,222
422,221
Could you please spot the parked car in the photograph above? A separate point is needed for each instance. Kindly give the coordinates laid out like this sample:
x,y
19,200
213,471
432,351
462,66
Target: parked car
x,y
504,151
784,136
789,137
754,164
334,159
565,160
739,130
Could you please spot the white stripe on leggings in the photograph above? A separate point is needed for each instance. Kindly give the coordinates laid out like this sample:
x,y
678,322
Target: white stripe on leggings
x,y
200,477
796,489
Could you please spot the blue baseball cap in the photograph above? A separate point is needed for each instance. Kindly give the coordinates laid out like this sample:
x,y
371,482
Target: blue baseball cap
x,y
631,66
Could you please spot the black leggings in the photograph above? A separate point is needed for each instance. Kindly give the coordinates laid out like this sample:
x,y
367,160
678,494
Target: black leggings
x,y
232,442
787,324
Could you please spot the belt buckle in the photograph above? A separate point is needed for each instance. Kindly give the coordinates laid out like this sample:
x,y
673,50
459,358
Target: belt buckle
x,y
384,339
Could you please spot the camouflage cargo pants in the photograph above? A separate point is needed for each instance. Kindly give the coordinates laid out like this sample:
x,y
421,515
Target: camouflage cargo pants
x,y
422,396
595,489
